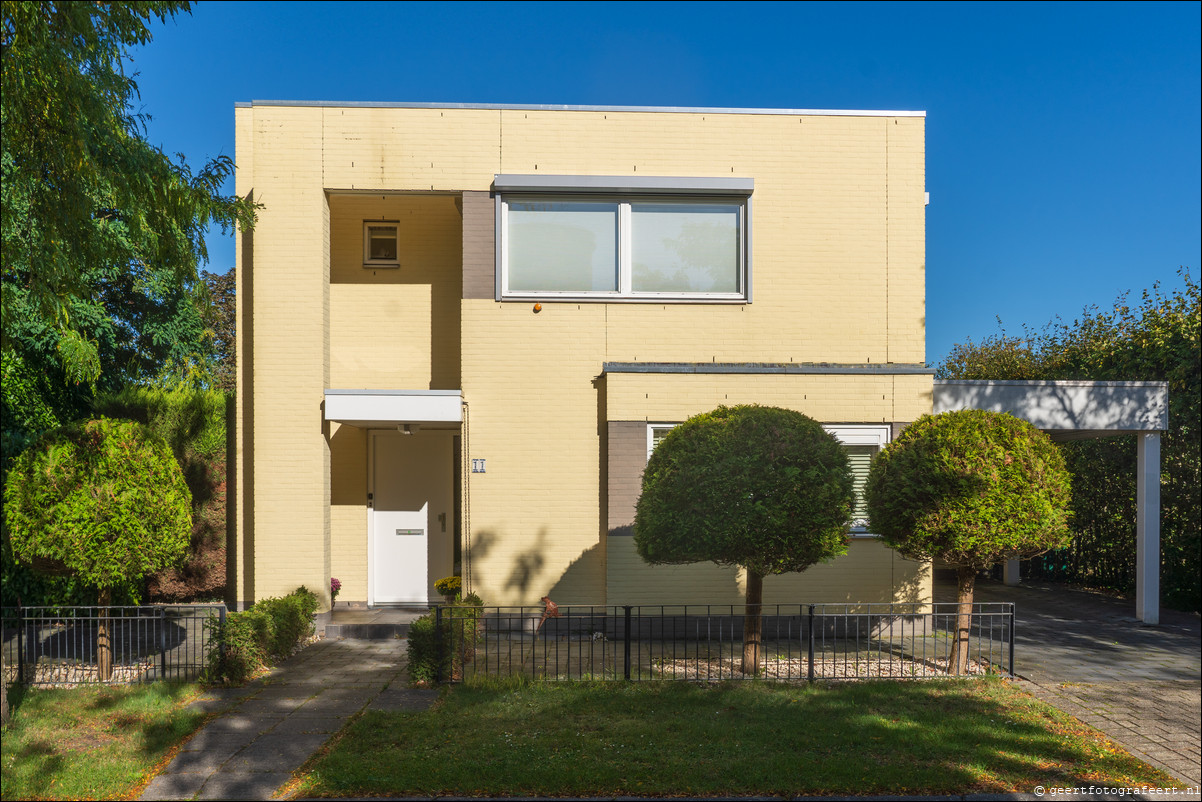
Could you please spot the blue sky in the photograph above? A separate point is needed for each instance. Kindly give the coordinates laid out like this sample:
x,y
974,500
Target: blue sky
x,y
1063,139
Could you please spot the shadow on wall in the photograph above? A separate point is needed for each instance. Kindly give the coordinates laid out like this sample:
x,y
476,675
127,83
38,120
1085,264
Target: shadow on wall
x,y
913,586
1063,408
526,576
527,565
582,573
348,466
632,580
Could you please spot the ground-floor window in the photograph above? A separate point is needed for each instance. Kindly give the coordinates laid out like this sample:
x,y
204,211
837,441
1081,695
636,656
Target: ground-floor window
x,y
862,443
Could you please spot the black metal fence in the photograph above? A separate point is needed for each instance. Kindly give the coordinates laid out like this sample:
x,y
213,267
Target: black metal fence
x,y
805,642
58,646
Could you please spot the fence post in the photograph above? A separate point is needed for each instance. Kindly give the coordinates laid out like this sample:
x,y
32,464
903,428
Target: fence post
x,y
1012,640
626,644
20,643
221,635
163,642
810,635
437,644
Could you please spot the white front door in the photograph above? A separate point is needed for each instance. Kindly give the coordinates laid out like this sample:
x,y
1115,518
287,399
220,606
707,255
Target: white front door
x,y
402,546
400,519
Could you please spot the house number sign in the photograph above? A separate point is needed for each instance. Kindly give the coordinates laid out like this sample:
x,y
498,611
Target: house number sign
x,y
478,466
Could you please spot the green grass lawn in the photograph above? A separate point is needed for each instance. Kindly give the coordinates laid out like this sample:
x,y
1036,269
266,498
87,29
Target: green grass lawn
x,y
93,743
733,739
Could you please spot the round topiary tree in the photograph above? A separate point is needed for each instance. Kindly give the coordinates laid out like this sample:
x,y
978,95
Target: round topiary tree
x,y
971,488
763,488
104,500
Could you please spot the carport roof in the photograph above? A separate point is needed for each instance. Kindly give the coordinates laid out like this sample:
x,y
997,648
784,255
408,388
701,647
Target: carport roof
x,y
1066,410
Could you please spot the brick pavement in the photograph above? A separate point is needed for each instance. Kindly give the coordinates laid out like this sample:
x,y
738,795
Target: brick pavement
x,y
1088,655
270,728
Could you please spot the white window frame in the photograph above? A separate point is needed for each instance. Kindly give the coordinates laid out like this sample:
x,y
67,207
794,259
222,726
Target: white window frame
x,y
847,434
651,427
850,435
625,291
396,230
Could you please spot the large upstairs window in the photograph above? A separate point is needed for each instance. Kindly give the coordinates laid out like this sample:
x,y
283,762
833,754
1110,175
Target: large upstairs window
x,y
654,240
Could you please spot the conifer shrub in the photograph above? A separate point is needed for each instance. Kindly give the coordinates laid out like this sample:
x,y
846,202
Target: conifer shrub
x,y
763,488
971,488
429,659
193,423
103,500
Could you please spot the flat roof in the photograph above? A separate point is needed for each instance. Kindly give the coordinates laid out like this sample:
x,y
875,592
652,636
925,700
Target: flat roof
x,y
373,104
882,368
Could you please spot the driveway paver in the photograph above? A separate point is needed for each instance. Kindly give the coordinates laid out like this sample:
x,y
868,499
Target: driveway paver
x,y
1089,656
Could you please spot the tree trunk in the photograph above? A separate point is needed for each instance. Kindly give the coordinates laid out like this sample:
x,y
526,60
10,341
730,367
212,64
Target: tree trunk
x,y
753,623
966,579
4,686
104,641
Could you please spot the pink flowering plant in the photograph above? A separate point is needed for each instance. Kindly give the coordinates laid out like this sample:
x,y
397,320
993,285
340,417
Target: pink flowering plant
x,y
335,586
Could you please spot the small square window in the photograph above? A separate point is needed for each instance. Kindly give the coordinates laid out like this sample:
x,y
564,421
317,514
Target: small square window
x,y
380,244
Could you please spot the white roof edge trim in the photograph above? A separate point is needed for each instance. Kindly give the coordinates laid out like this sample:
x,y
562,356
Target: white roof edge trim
x,y
522,182
394,392
1051,383
368,104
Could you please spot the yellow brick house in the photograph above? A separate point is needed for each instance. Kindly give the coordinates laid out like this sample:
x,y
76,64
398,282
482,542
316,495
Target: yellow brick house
x,y
463,327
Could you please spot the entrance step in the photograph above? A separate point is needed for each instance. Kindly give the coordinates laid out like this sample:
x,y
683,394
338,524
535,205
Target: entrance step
x,y
374,624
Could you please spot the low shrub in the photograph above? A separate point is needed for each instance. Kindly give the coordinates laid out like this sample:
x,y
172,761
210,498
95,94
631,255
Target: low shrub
x,y
429,659
440,653
291,620
252,639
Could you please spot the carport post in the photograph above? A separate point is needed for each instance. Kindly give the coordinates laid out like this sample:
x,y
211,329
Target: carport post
x,y
1147,528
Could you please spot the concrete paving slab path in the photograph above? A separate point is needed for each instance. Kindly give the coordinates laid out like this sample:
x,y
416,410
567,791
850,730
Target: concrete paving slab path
x,y
270,728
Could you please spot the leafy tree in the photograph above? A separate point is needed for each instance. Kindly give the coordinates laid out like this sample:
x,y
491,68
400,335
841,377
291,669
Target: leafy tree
x,y
763,488
1156,339
88,203
103,500
971,488
101,232
220,321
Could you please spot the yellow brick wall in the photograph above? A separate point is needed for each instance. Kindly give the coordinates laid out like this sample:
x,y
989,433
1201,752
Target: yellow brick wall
x,y
241,588
395,328
348,512
410,149
838,260
829,398
533,407
289,351
869,572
